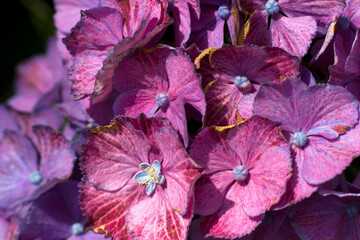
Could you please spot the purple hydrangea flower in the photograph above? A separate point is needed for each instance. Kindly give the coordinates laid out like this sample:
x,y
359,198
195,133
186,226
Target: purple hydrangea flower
x,y
56,215
131,165
330,217
246,171
28,168
321,124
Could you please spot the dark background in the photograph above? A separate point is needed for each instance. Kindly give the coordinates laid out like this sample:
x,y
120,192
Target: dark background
x,y
26,26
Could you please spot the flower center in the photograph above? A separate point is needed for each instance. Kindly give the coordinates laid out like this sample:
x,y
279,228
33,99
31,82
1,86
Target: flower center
x,y
344,22
242,83
150,175
35,178
352,210
224,12
77,229
272,7
162,100
299,139
240,173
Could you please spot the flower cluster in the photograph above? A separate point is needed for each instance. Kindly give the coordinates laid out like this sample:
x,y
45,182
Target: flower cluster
x,y
191,119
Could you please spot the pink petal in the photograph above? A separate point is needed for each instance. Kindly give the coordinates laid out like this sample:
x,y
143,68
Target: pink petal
x,y
184,81
245,106
323,159
210,192
176,114
178,168
293,34
252,138
134,102
230,221
111,158
268,181
182,22
209,149
154,218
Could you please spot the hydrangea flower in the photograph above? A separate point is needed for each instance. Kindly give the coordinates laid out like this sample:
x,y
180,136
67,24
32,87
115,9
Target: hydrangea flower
x,y
246,171
117,28
346,68
28,168
151,81
131,165
208,31
287,24
37,77
330,217
232,75
56,215
320,122
345,26
67,14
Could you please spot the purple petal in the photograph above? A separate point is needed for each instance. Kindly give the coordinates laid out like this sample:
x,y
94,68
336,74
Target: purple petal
x,y
293,34
324,11
19,160
259,33
352,64
182,22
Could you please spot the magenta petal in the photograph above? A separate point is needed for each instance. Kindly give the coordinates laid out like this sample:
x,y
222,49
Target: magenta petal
x,y
230,221
268,181
294,35
98,31
182,22
176,114
134,102
209,149
184,81
109,153
161,220
210,192
57,156
178,168
245,105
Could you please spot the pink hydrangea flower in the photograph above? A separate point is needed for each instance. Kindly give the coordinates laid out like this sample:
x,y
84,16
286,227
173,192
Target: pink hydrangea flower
x,y
153,83
232,76
287,24
321,124
246,171
138,180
